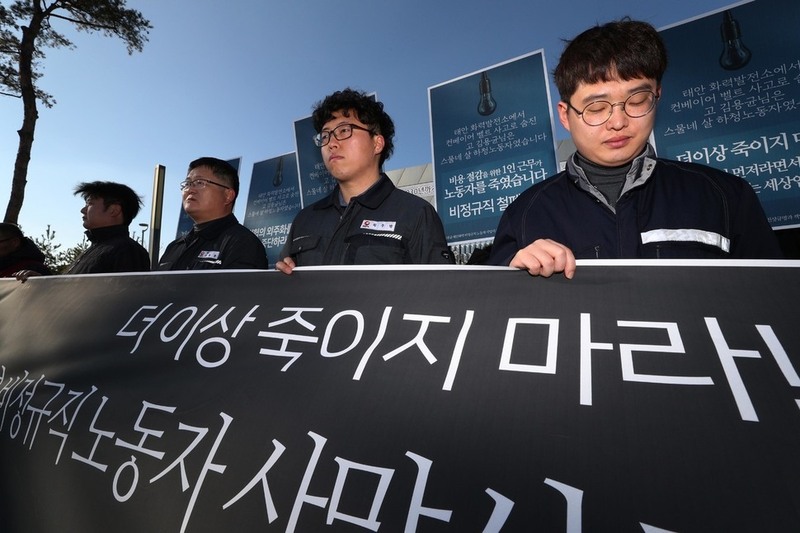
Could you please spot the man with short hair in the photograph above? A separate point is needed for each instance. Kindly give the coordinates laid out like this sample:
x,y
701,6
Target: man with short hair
x,y
616,199
110,208
108,211
366,219
18,253
217,240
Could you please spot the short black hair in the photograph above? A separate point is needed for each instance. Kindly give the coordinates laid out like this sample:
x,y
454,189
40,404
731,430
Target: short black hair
x,y
112,193
624,49
366,108
221,169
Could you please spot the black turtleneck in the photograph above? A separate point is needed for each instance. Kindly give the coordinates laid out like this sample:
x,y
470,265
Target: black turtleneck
x,y
607,180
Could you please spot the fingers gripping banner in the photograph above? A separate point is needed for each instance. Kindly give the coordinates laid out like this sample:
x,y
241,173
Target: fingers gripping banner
x,y
631,398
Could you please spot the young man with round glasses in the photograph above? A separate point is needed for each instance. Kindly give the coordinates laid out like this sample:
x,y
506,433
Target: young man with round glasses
x,y
616,199
366,219
217,240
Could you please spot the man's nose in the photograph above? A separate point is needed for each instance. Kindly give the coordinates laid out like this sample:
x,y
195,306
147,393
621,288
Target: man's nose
x,y
620,118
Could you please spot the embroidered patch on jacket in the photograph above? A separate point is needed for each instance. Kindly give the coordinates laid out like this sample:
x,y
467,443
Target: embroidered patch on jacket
x,y
378,225
208,254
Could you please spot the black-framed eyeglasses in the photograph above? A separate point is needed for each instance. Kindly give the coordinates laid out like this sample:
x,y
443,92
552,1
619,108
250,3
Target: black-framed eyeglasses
x,y
340,132
636,105
200,183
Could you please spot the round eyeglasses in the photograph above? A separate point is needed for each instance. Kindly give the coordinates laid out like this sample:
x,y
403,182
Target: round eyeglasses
x,y
340,132
200,184
636,105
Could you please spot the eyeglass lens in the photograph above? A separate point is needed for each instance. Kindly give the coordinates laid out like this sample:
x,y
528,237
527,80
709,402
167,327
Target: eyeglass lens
x,y
636,105
340,133
197,184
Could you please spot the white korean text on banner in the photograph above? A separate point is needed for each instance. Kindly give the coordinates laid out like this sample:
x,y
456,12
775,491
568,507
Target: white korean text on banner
x,y
731,99
492,135
641,397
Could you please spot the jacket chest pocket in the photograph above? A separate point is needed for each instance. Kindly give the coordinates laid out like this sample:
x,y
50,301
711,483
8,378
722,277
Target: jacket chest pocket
x,y
305,248
375,249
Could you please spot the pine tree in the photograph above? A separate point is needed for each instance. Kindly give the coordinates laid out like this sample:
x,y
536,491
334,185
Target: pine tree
x,y
57,260
25,32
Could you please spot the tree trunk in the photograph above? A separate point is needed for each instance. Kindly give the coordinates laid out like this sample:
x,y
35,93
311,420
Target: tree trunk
x,y
31,114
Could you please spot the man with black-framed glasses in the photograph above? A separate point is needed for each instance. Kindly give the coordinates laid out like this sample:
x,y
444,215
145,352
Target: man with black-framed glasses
x,y
217,240
366,220
616,199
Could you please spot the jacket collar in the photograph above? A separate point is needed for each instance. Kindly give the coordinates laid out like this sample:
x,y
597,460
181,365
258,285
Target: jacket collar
x,y
371,198
641,170
212,229
106,233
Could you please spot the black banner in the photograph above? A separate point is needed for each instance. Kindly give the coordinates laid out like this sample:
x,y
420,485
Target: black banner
x,y
632,398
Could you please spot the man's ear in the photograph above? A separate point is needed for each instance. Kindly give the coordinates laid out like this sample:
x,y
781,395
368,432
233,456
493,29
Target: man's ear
x,y
379,142
230,196
114,210
563,114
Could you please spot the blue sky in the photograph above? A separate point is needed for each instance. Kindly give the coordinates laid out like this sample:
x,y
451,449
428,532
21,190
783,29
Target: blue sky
x,y
228,79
